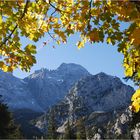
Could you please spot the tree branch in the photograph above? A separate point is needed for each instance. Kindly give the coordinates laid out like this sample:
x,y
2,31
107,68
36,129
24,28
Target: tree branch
x,y
57,9
9,36
88,24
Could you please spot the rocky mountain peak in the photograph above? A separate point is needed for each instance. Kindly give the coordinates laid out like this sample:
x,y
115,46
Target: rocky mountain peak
x,y
53,85
71,66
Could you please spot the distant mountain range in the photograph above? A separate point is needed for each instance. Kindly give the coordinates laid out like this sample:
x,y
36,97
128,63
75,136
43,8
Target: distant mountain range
x,y
41,89
72,92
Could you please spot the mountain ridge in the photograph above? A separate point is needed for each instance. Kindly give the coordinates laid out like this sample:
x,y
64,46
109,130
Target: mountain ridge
x,y
71,91
96,97
42,85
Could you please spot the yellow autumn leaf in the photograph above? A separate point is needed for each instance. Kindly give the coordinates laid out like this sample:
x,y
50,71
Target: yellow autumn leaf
x,y
31,36
0,19
58,42
136,95
80,44
109,2
108,40
136,105
129,72
5,68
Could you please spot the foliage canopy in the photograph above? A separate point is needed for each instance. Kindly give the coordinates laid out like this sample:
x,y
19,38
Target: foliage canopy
x,y
94,20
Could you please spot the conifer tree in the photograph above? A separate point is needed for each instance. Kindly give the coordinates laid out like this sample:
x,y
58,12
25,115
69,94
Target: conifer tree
x,y
81,132
67,131
8,129
69,134
51,130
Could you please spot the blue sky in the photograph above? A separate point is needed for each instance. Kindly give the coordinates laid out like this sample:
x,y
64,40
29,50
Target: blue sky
x,y
99,57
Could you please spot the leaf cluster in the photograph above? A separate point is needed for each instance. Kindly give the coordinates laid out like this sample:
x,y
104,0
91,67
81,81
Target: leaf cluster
x,y
94,20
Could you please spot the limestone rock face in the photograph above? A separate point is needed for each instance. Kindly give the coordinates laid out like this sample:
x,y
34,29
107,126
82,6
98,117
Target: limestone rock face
x,y
100,99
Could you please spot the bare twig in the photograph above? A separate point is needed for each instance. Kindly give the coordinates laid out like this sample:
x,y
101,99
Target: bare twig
x,y
53,12
51,36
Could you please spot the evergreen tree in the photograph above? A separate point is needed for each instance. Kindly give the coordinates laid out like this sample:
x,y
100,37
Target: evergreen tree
x,y
81,132
8,129
51,130
67,131
69,134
